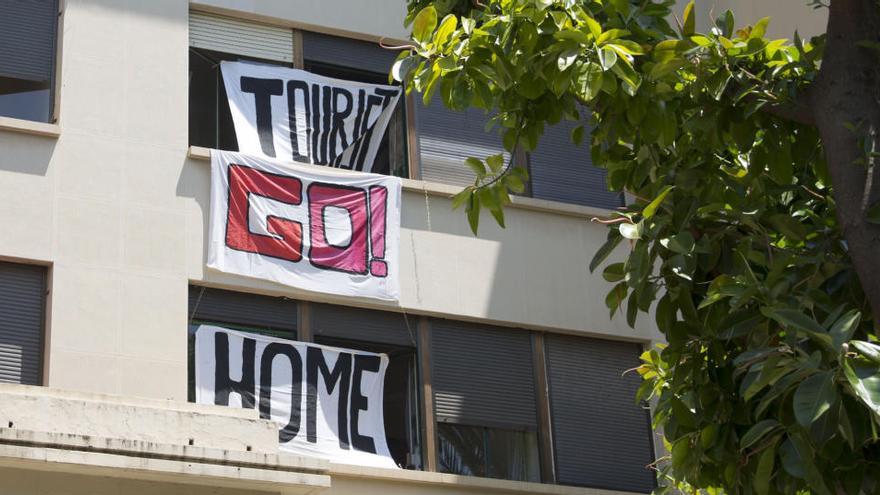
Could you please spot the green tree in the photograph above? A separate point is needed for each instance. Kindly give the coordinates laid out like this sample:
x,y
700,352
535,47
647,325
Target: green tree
x,y
754,233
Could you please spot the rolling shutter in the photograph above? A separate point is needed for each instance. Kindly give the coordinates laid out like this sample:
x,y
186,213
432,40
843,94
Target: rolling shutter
x,y
561,171
383,327
482,376
446,138
348,53
601,437
22,309
230,35
242,309
27,38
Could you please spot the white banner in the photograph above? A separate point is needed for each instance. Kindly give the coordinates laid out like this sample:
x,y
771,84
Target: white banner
x,y
307,227
294,115
327,401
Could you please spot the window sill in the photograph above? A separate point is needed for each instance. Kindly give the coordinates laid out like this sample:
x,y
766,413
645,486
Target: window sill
x,y
447,191
30,127
461,483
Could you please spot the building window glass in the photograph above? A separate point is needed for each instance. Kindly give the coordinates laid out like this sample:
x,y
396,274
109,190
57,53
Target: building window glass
x,y
485,401
28,31
488,452
214,39
22,310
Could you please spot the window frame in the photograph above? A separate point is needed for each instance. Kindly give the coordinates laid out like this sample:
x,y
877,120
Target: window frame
x,y
408,137
49,127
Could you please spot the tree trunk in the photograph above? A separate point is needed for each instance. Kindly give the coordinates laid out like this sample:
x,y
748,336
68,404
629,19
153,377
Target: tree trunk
x,y
846,107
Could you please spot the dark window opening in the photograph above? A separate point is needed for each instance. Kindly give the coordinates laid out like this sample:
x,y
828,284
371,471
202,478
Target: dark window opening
x,y
210,121
28,33
391,155
488,452
400,406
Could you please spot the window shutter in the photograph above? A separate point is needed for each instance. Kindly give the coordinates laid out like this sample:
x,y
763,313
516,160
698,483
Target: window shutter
x,y
22,309
561,171
446,138
250,39
243,309
348,53
27,38
601,437
482,376
382,327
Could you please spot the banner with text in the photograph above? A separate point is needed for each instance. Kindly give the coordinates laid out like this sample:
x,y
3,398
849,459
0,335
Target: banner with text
x,y
311,228
327,401
291,114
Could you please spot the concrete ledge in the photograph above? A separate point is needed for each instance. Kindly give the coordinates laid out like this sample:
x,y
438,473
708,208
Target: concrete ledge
x,y
144,420
451,482
447,191
160,470
30,127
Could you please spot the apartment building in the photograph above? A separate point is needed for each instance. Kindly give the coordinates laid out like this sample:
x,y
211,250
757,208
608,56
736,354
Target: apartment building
x,y
505,373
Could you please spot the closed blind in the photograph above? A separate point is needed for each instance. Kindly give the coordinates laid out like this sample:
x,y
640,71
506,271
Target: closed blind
x,y
349,53
230,35
27,39
561,171
242,309
383,327
22,306
446,138
601,437
482,376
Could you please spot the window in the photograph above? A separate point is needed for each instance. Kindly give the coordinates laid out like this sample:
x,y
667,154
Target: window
x,y
352,328
22,310
28,30
388,333
559,170
601,437
274,316
216,38
484,401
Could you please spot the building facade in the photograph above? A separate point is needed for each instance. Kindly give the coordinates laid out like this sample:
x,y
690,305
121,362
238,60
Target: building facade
x,y
506,375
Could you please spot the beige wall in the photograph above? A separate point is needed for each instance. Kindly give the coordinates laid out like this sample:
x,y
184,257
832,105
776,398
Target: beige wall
x,y
119,211
786,16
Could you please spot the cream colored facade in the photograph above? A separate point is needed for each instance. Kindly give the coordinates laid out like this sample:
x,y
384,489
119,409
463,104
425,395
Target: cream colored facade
x,y
112,199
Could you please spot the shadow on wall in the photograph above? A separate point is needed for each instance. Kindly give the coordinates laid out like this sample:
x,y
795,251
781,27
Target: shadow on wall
x,y
26,154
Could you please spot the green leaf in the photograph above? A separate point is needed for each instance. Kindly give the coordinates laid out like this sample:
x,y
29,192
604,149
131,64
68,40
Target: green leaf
x,y
788,226
757,432
649,210
462,197
566,58
800,322
605,250
615,298
495,162
613,272
594,27
814,397
760,28
865,382
681,243
473,213
577,135
424,24
476,165
765,470
843,328
447,27
868,349
873,215
607,57
690,22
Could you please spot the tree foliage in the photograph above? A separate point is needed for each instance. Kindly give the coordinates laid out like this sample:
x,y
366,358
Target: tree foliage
x,y
770,379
